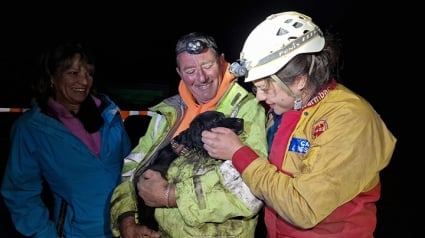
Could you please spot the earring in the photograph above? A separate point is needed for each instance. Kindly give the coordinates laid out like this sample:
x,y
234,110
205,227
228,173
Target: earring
x,y
298,103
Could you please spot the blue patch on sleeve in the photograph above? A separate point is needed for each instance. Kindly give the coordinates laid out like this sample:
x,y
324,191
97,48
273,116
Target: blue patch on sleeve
x,y
299,145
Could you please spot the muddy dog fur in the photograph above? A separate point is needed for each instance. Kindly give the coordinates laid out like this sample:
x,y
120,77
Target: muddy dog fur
x,y
189,139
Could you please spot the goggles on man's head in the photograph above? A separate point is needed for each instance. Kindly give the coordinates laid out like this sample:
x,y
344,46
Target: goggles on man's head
x,y
196,45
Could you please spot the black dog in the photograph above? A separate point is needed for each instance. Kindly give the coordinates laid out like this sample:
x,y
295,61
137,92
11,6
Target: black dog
x,y
187,140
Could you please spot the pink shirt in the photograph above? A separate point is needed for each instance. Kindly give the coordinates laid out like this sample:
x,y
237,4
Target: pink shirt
x,y
92,141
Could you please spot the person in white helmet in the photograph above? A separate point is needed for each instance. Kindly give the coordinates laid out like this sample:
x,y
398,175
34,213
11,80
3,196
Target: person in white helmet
x,y
327,145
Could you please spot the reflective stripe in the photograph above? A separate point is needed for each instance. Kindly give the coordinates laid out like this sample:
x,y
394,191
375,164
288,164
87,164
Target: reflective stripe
x,y
124,113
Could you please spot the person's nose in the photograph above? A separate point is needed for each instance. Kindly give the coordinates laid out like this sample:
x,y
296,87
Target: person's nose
x,y
84,78
202,76
260,96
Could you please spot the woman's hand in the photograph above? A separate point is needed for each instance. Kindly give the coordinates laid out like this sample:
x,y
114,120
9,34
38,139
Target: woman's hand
x,y
221,143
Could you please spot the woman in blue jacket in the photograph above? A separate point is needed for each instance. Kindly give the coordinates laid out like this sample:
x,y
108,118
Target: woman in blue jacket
x,y
71,140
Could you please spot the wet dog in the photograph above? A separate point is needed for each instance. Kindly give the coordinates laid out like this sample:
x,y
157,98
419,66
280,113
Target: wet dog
x,y
187,140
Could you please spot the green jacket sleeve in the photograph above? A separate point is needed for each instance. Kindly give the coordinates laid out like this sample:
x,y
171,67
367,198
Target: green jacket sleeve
x,y
123,201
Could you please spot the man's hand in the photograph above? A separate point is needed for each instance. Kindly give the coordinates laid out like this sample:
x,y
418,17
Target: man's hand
x,y
129,229
152,188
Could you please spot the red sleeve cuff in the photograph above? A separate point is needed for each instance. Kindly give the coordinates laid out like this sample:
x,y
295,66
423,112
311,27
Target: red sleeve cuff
x,y
243,157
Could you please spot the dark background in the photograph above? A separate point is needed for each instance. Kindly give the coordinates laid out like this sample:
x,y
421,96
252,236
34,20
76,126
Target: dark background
x,y
134,43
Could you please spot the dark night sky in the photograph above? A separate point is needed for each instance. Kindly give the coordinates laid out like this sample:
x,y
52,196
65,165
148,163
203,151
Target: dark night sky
x,y
134,43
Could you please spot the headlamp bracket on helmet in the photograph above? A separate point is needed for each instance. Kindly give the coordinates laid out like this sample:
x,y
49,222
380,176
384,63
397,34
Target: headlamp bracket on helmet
x,y
238,69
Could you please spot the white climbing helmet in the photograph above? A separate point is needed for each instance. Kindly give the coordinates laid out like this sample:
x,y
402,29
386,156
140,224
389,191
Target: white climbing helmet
x,y
276,40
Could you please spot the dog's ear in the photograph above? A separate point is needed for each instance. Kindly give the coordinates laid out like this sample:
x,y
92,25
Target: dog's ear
x,y
191,137
236,124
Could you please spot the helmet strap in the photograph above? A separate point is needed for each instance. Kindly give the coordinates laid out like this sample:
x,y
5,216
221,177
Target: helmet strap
x,y
313,58
298,103
298,100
